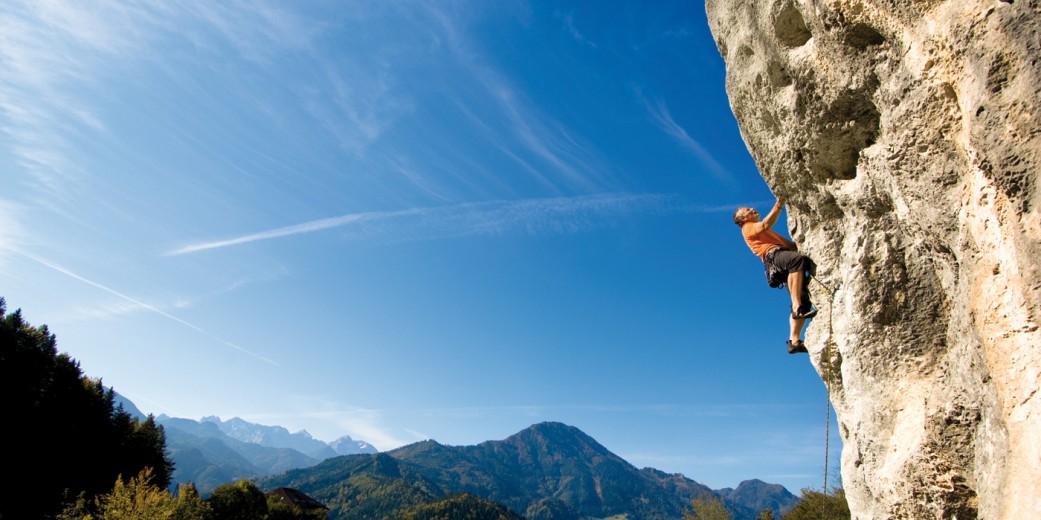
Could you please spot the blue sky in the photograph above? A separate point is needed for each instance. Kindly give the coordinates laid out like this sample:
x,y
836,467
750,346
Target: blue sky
x,y
403,220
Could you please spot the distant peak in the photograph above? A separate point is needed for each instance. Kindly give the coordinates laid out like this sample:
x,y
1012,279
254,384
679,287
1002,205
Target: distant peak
x,y
552,427
753,481
424,447
428,443
555,429
556,436
550,424
755,484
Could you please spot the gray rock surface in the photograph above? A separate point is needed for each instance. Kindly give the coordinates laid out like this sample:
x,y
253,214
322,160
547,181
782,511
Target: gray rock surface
x,y
906,136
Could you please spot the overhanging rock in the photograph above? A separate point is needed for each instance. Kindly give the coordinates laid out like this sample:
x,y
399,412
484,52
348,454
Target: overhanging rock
x,y
906,136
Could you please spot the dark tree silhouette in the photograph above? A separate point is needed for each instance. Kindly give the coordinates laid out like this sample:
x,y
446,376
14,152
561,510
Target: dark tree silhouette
x,y
63,433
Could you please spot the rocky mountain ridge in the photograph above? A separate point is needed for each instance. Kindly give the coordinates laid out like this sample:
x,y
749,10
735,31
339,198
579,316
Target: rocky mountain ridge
x,y
211,452
279,437
549,470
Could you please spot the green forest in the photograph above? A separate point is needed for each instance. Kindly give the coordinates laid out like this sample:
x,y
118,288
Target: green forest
x,y
84,458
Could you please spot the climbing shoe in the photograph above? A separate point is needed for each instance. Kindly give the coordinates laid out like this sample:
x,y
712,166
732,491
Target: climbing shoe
x,y
804,315
797,347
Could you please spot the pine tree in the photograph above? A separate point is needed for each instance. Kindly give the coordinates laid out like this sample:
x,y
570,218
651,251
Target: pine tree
x,y
71,440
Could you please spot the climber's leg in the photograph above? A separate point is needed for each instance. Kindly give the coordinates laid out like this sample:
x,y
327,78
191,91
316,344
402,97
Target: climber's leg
x,y
795,288
796,328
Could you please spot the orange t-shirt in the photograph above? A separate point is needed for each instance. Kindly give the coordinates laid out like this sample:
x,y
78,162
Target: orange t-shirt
x,y
762,242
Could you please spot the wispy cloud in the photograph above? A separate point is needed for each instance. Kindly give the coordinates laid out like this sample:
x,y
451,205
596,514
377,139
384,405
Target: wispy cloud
x,y
10,227
53,54
109,311
135,303
50,53
514,124
544,137
357,105
256,28
569,25
530,216
659,114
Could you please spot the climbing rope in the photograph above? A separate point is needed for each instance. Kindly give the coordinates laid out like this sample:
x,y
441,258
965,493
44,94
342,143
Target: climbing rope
x,y
826,358
827,438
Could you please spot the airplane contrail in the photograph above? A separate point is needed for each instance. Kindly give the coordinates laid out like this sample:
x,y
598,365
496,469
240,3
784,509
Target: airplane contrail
x,y
306,227
137,302
467,219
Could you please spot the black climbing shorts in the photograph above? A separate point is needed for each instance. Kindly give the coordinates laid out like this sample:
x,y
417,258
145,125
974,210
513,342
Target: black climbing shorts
x,y
790,261
781,262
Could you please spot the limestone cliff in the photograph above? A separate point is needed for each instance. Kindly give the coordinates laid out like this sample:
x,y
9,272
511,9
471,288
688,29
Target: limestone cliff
x,y
906,135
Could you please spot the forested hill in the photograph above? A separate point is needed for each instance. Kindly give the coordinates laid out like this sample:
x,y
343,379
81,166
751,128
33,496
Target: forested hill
x,y
67,437
549,470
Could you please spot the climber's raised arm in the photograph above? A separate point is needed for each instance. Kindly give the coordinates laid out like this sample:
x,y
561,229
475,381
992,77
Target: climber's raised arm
x,y
772,216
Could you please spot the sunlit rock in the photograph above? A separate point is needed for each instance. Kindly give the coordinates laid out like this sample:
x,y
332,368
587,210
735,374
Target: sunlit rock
x,y
906,136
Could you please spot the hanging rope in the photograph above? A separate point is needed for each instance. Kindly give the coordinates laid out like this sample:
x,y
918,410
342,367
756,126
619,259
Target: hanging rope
x,y
826,361
827,438
826,356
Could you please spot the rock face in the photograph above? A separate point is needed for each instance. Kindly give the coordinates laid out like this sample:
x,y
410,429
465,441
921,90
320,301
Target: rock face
x,y
906,136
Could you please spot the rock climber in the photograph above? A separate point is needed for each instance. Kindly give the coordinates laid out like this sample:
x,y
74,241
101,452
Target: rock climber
x,y
785,265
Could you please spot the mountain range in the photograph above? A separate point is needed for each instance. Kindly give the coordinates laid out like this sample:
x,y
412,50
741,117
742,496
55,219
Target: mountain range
x,y
547,471
211,452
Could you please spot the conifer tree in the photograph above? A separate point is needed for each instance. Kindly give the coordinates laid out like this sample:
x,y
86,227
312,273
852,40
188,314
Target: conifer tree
x,y
71,443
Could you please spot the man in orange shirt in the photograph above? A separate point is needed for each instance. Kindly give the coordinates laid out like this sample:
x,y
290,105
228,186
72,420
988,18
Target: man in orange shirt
x,y
785,265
